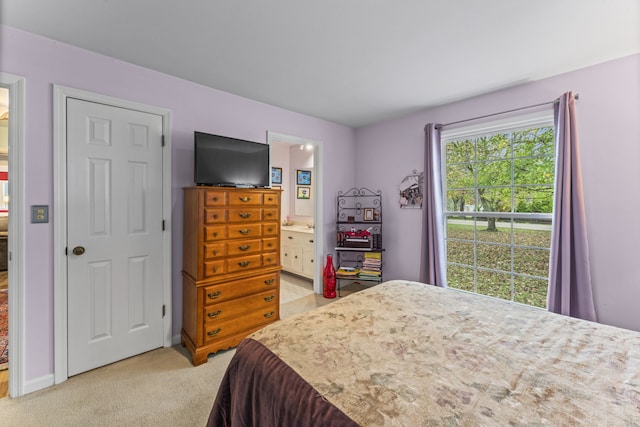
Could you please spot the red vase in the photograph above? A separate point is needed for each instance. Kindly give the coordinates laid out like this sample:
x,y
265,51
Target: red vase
x,y
329,278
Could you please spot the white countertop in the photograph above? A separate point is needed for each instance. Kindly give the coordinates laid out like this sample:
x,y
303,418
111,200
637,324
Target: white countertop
x,y
297,228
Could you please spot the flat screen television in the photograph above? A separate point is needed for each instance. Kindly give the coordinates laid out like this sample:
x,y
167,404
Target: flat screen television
x,y
231,162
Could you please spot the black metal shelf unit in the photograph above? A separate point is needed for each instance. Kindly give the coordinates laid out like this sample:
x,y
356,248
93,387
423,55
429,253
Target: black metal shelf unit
x,y
359,235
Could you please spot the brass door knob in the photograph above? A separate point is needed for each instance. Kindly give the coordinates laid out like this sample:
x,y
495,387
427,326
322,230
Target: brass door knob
x,y
78,250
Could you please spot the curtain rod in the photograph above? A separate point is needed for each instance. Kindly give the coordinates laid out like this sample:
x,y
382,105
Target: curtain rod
x,y
576,96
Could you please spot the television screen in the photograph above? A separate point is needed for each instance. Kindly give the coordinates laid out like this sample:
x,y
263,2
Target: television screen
x,y
224,161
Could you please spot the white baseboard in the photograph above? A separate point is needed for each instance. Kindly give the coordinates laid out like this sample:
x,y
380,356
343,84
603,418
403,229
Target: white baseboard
x,y
48,380
38,383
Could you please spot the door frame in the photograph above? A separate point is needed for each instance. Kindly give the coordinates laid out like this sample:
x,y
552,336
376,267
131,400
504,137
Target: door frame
x,y
316,188
60,95
16,250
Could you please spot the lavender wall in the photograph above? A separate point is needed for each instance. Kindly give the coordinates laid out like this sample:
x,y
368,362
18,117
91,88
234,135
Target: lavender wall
x,y
609,130
280,158
303,159
44,62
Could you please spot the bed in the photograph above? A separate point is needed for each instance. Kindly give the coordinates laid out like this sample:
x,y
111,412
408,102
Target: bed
x,y
408,354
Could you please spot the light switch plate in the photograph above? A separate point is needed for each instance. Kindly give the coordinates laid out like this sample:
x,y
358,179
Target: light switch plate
x,y
39,213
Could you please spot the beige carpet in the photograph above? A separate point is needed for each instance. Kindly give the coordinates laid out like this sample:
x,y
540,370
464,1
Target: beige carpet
x,y
293,287
159,388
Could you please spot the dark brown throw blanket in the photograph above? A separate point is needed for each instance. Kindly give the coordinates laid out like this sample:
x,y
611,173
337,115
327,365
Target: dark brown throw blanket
x,y
259,389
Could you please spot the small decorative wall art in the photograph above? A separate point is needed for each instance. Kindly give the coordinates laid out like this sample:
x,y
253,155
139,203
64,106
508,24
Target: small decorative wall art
x,y
276,175
304,193
303,177
411,191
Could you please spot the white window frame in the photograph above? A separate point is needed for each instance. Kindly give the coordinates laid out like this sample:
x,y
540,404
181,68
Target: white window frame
x,y
543,118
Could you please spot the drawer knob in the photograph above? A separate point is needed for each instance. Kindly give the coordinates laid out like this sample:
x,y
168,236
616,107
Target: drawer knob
x,y
269,281
245,199
214,332
215,234
290,237
215,216
215,199
245,215
244,263
244,231
269,259
214,295
269,245
269,314
215,252
269,298
244,247
214,314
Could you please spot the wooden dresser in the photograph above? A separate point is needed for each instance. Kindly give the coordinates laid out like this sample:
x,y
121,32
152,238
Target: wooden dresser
x,y
231,266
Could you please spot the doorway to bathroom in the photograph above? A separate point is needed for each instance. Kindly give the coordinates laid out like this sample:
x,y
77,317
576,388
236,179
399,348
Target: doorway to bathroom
x,y
296,170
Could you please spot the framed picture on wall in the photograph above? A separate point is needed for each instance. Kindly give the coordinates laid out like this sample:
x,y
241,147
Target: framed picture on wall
x,y
368,214
303,177
276,175
304,193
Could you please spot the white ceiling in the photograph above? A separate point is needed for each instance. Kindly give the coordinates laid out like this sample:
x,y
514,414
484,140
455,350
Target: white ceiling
x,y
353,62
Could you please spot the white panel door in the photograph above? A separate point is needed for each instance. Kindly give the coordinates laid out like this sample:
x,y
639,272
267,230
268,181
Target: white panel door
x,y
114,241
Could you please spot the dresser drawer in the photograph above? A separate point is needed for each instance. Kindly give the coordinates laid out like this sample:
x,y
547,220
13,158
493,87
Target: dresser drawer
x,y
270,229
215,250
215,215
245,199
219,330
270,214
237,231
214,232
270,244
244,263
270,199
241,247
214,268
226,310
225,291
245,214
215,198
270,259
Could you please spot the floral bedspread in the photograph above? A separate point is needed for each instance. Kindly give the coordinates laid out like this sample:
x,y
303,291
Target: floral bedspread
x,y
408,354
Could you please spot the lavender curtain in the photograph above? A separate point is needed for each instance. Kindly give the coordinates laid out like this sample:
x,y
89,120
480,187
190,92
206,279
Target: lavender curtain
x,y
569,290
432,267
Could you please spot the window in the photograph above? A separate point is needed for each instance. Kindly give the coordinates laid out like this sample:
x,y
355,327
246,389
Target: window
x,y
498,190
